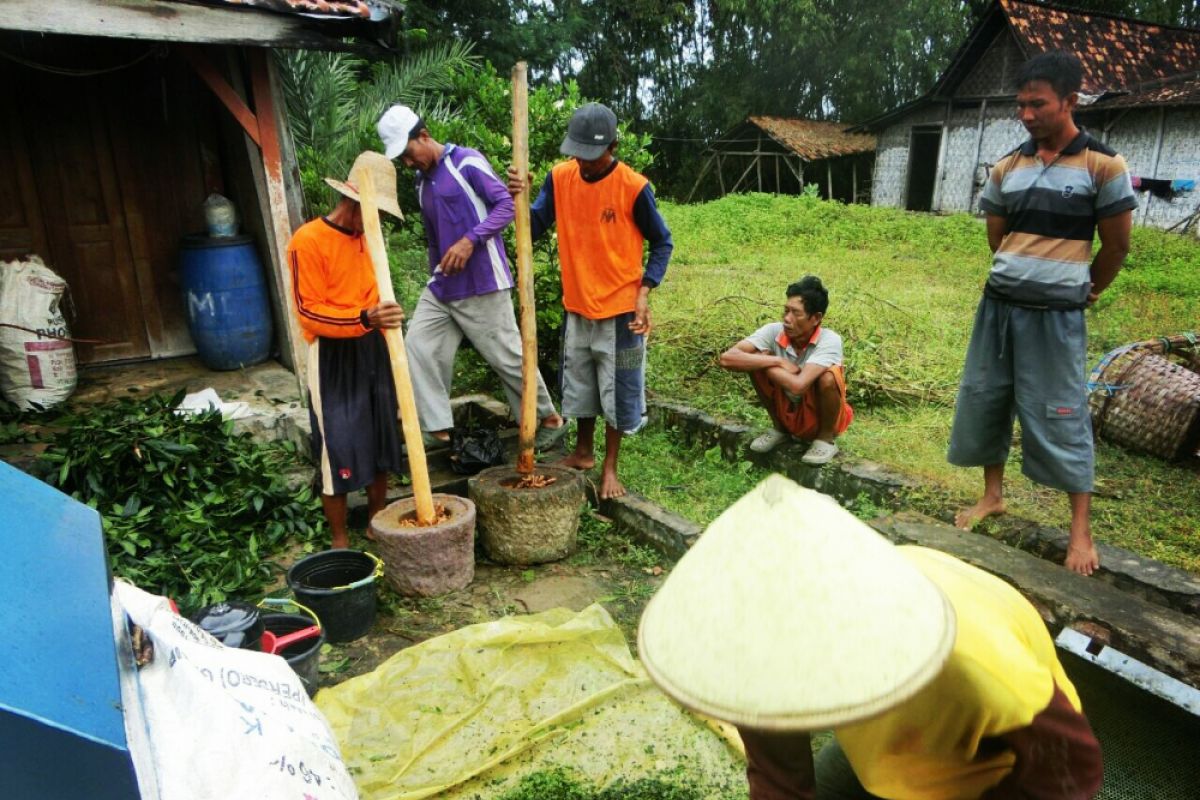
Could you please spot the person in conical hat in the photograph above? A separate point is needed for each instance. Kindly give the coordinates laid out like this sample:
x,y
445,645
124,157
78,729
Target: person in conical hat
x,y
940,681
352,399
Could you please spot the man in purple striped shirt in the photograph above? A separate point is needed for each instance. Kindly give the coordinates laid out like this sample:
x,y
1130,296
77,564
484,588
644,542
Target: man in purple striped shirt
x,y
464,207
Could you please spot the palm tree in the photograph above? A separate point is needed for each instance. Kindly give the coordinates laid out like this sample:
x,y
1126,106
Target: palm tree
x,y
334,99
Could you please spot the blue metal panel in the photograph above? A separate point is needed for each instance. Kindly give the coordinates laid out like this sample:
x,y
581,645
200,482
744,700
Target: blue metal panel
x,y
61,722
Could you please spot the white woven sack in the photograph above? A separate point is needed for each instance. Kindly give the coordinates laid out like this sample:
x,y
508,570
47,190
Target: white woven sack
x,y
37,360
226,724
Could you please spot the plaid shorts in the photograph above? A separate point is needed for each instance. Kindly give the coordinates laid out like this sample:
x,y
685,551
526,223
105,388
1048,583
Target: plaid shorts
x,y
604,371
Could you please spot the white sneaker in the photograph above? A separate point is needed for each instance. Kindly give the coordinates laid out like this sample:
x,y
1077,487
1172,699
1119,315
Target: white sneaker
x,y
821,452
768,441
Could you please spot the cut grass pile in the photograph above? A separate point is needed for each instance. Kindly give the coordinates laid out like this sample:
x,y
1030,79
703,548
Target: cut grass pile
x,y
903,290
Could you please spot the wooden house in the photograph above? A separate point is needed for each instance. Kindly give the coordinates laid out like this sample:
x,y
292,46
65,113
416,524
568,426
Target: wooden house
x,y
121,116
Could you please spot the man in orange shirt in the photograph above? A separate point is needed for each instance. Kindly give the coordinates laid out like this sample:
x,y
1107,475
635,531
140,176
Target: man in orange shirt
x,y
352,399
605,213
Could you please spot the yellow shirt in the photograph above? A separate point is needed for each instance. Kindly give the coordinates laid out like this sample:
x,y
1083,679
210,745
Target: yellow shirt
x,y
1000,675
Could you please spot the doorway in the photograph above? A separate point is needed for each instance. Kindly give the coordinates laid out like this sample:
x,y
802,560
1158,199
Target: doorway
x,y
924,145
101,172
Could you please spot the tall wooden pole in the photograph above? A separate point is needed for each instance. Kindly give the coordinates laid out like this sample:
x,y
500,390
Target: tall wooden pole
x,y
373,233
520,143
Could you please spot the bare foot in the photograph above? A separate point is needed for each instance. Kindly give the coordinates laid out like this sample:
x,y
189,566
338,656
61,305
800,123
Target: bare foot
x,y
986,507
610,487
1082,559
576,461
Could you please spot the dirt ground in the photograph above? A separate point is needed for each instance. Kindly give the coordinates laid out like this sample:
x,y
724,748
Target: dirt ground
x,y
496,591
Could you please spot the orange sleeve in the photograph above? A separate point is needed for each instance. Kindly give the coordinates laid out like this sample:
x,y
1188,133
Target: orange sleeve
x,y
317,315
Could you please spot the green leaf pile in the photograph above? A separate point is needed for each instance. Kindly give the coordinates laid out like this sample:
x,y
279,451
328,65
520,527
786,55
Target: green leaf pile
x,y
190,510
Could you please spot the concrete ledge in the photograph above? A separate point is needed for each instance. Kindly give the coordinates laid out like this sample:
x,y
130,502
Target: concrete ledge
x,y
647,523
1165,639
847,479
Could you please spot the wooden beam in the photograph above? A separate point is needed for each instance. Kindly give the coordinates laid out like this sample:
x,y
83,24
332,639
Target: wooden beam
x,y
829,177
265,88
743,176
758,161
703,171
1158,143
224,92
168,22
978,151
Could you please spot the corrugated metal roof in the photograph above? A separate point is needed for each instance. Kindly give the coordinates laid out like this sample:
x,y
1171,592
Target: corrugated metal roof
x,y
814,140
333,8
1117,53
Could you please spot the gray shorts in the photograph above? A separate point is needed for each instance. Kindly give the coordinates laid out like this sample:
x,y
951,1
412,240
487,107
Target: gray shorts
x,y
604,371
1027,364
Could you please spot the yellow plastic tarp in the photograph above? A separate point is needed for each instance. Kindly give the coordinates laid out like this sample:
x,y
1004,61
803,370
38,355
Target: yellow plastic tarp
x,y
465,715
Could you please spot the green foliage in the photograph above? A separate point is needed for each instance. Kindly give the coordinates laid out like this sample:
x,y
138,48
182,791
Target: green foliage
x,y
562,784
688,70
598,541
189,509
483,121
333,101
903,291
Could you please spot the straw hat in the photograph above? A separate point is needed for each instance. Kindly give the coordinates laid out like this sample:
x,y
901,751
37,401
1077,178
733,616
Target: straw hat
x,y
383,173
791,614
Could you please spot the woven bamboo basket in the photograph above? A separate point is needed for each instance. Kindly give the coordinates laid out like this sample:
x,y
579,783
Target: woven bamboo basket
x,y
1192,361
1144,401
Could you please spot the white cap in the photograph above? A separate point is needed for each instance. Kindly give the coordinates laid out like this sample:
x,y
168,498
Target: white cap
x,y
396,129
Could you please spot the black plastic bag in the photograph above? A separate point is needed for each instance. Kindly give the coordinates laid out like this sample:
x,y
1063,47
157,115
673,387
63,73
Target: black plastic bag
x,y
475,449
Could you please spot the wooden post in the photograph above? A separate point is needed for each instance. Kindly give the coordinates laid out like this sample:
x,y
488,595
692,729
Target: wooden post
x,y
778,188
524,241
829,176
853,179
373,233
265,87
721,173
1158,146
703,171
758,161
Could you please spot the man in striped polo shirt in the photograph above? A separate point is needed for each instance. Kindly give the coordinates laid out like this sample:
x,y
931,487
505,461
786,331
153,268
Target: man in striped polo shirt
x,y
464,208
1027,357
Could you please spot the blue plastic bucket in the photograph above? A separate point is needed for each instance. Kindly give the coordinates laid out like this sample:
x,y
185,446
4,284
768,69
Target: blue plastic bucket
x,y
225,296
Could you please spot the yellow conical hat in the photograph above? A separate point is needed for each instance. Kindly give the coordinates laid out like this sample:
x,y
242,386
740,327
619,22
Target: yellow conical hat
x,y
791,614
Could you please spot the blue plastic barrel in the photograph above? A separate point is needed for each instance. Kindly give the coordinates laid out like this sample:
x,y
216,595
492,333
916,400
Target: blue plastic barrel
x,y
226,300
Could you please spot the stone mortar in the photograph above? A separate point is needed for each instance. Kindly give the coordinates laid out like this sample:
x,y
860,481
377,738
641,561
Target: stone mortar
x,y
432,560
527,526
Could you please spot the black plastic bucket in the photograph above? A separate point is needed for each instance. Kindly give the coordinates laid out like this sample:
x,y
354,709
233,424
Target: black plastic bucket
x,y
303,657
339,586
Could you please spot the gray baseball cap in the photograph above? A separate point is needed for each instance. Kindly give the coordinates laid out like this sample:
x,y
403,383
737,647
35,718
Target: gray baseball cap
x,y
589,133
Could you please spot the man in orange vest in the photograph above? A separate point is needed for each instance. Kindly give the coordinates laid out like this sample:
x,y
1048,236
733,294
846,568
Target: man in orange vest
x,y
605,213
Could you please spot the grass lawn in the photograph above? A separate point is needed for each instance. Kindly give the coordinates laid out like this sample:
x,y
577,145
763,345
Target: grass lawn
x,y
903,293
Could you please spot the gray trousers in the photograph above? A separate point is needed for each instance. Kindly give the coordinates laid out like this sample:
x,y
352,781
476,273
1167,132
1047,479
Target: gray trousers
x,y
434,334
1027,364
